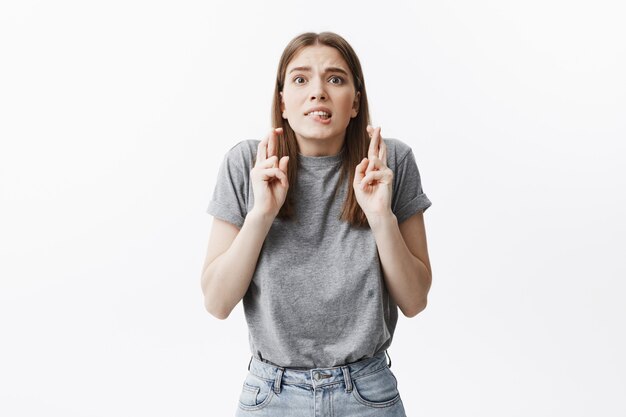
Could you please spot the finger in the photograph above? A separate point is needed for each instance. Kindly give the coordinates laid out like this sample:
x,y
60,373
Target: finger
x,y
269,162
277,136
281,176
284,163
377,164
384,174
272,145
284,178
372,177
374,144
360,171
261,151
370,150
270,173
382,154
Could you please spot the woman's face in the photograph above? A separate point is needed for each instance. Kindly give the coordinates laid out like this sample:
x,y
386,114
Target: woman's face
x,y
318,77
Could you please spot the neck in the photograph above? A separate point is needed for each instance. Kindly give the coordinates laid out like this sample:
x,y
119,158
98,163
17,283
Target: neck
x,y
320,147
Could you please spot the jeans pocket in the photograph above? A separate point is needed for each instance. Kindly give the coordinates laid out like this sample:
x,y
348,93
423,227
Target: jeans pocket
x,y
378,389
256,393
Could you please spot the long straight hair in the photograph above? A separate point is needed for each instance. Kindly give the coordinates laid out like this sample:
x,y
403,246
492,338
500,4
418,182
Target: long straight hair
x,y
357,140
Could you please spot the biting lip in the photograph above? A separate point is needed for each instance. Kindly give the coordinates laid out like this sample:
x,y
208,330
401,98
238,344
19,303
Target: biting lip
x,y
324,109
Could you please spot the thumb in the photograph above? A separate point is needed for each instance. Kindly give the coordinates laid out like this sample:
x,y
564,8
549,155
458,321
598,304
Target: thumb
x,y
283,167
360,171
283,163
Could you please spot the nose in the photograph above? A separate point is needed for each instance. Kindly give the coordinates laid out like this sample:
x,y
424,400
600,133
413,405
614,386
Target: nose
x,y
317,90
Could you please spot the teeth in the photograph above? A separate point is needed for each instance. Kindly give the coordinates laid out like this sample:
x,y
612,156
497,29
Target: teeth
x,y
318,113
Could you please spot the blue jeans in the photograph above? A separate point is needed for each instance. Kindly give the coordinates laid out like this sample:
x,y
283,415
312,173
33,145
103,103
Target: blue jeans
x,y
366,388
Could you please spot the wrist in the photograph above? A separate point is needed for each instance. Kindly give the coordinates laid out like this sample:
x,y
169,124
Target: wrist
x,y
258,216
379,219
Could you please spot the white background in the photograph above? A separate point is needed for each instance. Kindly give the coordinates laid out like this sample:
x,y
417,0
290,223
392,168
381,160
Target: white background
x,y
114,117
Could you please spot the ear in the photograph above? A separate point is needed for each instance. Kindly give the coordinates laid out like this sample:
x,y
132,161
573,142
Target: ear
x,y
355,104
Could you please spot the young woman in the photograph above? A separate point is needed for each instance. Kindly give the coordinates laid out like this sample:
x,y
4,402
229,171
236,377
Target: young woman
x,y
319,229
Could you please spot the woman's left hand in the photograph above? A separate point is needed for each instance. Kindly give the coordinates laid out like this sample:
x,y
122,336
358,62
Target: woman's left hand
x,y
373,178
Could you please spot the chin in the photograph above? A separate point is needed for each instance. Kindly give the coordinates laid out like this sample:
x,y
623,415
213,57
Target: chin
x,y
319,136
323,133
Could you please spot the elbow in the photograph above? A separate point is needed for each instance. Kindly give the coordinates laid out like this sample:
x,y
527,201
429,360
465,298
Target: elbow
x,y
216,308
218,313
221,315
417,307
415,310
211,305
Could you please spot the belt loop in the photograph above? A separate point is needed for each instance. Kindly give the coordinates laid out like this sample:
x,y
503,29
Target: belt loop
x,y
249,363
387,352
278,379
347,378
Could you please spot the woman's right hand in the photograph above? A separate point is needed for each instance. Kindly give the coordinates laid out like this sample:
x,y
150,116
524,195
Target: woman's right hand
x,y
269,176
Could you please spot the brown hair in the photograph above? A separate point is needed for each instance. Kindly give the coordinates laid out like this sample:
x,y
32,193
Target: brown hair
x,y
357,140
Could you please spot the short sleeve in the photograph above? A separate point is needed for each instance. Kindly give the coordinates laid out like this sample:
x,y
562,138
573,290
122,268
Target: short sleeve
x,y
229,200
408,196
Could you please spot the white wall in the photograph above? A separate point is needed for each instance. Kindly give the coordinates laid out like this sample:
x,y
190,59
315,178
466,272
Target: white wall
x,y
114,117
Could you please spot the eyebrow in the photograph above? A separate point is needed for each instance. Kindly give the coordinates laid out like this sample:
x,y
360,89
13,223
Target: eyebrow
x,y
329,69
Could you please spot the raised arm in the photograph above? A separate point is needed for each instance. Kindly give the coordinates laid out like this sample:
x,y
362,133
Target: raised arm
x,y
232,254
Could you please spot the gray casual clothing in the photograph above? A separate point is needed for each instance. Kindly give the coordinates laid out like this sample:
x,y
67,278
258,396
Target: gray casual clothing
x,y
317,297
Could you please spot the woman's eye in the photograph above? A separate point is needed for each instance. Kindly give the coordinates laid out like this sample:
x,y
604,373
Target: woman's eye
x,y
339,80
295,80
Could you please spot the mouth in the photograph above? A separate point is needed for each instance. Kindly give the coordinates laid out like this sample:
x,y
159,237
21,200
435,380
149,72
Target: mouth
x,y
323,115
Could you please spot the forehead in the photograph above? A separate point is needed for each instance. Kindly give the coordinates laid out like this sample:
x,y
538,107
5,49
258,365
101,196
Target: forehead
x,y
320,56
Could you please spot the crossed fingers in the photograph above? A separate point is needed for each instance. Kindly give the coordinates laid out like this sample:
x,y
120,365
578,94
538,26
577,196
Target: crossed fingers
x,y
267,151
377,152
376,169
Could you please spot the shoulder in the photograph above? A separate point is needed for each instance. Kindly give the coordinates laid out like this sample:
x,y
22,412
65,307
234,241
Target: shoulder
x,y
397,151
243,153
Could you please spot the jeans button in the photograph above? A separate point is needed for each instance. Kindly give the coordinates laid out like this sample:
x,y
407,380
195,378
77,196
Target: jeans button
x,y
316,376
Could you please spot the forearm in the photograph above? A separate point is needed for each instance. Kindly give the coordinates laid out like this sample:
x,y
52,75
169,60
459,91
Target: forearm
x,y
407,278
226,280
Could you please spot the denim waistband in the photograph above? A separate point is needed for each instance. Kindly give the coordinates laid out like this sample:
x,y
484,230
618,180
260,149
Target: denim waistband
x,y
316,377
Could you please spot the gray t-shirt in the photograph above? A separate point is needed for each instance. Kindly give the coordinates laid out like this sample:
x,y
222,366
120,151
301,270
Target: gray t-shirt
x,y
317,297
